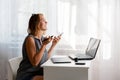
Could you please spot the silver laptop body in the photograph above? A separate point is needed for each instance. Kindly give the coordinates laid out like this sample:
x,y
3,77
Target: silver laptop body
x,y
90,52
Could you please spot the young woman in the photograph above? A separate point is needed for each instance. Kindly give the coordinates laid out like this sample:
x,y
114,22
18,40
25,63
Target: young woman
x,y
34,49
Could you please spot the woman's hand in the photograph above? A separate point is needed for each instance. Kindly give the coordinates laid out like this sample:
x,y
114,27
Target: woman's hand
x,y
47,40
56,40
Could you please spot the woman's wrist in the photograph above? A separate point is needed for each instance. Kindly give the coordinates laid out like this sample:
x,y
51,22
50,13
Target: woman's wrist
x,y
43,45
52,45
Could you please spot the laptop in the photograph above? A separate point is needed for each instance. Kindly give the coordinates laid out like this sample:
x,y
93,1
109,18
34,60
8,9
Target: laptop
x,y
90,51
60,59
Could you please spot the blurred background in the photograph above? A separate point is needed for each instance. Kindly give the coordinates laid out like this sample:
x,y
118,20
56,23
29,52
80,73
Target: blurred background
x,y
77,19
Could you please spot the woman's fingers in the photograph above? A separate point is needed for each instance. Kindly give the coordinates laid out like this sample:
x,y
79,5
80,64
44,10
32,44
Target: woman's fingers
x,y
47,40
56,39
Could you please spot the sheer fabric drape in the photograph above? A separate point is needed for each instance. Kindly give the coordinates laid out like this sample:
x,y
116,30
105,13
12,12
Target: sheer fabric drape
x,y
77,19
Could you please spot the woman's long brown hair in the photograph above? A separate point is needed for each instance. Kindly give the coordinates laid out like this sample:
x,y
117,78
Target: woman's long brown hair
x,y
33,24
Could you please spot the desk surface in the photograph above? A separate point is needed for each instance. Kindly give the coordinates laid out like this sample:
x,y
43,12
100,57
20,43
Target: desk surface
x,y
66,71
49,63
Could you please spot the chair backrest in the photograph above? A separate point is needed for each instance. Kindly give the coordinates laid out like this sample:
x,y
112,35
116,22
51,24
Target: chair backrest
x,y
13,66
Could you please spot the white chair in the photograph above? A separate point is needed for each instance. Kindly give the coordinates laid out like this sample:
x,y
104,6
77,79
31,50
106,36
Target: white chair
x,y
13,65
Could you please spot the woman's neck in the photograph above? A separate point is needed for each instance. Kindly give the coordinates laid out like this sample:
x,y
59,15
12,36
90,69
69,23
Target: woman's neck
x,y
38,35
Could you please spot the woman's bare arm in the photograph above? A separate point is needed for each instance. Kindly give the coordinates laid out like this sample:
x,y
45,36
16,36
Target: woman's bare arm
x,y
34,57
54,42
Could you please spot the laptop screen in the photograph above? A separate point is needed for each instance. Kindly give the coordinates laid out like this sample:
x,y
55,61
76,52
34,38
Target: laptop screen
x,y
92,47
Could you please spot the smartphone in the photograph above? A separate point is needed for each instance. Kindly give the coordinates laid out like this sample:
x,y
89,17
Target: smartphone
x,y
51,36
61,34
79,63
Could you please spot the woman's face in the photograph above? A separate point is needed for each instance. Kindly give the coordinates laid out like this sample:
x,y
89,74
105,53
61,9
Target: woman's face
x,y
43,23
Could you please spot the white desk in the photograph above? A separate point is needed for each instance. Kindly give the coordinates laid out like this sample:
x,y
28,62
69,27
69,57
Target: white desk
x,y
66,71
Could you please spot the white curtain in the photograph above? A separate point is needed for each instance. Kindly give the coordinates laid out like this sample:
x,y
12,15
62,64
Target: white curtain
x,y
77,19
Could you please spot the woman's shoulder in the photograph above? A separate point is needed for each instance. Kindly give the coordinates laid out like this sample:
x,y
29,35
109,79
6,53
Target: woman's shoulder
x,y
29,38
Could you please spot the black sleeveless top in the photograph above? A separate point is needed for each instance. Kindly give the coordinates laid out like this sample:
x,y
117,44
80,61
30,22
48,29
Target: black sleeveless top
x,y
26,70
